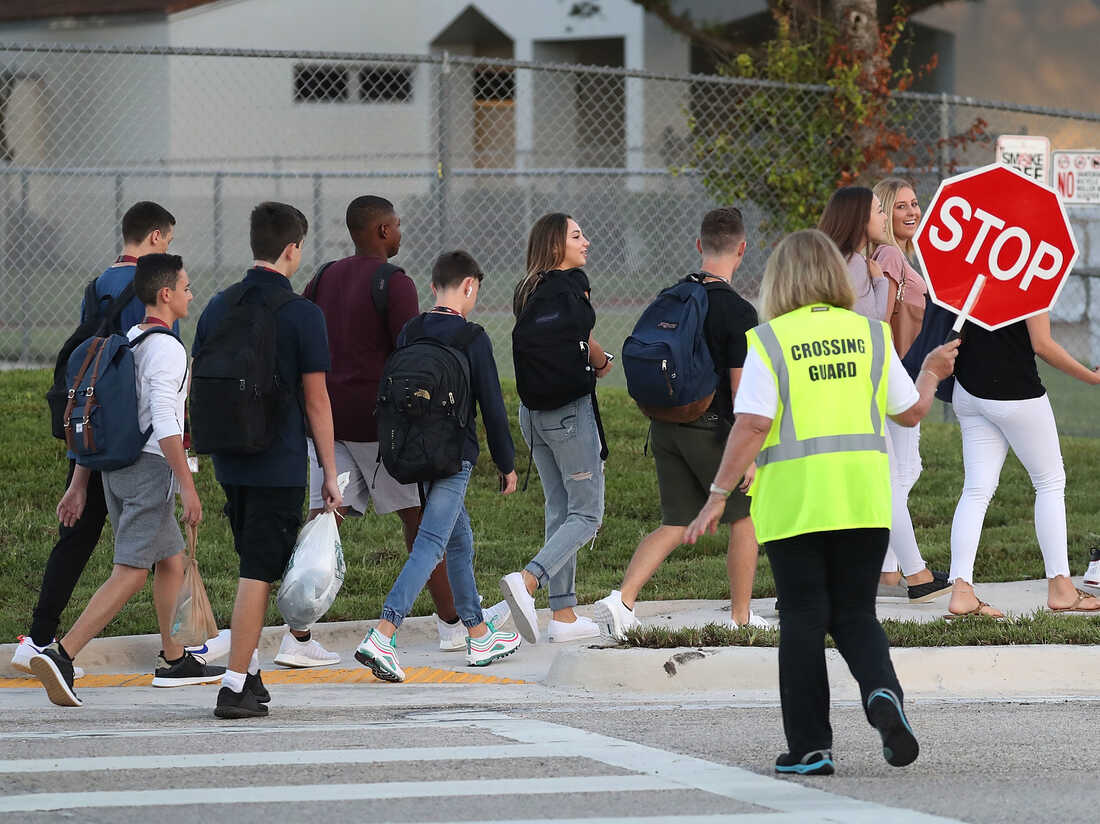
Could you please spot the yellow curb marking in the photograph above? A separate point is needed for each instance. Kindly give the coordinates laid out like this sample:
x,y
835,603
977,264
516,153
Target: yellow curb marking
x,y
319,675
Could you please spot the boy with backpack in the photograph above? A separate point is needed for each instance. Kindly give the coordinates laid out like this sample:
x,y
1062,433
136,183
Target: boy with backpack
x,y
261,354
366,302
428,432
703,321
109,304
140,497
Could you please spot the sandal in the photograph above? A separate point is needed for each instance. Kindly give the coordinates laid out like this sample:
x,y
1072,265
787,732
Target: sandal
x,y
974,613
1076,605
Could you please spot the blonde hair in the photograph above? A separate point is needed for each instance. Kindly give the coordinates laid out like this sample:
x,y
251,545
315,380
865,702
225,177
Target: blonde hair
x,y
886,190
545,251
806,267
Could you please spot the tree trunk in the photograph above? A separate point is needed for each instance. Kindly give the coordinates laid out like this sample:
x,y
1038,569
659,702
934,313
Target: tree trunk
x,y
857,23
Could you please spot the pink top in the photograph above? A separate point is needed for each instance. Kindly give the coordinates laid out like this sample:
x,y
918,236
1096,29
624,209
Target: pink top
x,y
898,269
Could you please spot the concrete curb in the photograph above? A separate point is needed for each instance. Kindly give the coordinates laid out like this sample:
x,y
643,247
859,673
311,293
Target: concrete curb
x,y
926,671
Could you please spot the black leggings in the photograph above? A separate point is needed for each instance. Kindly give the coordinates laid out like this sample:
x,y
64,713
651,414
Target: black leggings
x,y
827,582
74,547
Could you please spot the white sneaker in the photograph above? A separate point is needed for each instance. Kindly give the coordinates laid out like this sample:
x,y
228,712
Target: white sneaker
x,y
213,648
1092,574
498,614
295,653
560,631
755,621
26,650
452,637
521,603
494,645
612,616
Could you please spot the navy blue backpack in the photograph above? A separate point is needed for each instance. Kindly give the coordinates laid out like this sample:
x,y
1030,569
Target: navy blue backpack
x,y
101,413
669,370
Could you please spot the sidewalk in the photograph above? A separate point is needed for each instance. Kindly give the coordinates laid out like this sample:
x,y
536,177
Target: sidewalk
x,y
938,671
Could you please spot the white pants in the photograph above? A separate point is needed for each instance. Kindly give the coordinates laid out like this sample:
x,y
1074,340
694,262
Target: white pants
x,y
989,428
903,445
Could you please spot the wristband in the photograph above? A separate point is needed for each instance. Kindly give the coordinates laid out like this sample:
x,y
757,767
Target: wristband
x,y
930,372
715,489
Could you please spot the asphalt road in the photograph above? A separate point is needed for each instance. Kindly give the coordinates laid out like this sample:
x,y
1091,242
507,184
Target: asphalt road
x,y
503,753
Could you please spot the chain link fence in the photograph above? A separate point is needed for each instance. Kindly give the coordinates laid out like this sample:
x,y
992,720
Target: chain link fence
x,y
470,150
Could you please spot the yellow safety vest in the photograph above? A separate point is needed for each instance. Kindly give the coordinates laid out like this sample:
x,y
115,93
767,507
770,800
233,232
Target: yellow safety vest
x,y
823,465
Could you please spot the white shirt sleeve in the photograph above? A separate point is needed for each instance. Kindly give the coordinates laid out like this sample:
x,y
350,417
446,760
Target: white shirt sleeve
x,y
901,392
757,393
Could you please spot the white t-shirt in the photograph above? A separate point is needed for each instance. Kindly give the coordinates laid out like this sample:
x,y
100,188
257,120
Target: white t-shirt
x,y
160,362
757,393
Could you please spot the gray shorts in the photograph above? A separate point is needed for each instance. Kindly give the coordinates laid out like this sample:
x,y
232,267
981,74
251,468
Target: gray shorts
x,y
141,501
688,456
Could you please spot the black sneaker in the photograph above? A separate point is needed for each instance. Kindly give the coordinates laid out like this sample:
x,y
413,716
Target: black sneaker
x,y
184,672
255,685
939,575
242,704
930,591
899,745
55,672
817,762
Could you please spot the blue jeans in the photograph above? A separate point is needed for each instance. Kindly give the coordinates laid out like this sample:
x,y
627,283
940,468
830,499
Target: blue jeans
x,y
565,445
444,528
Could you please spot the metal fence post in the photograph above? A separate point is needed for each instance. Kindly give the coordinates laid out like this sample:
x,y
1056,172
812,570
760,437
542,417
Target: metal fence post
x,y
118,213
217,214
24,209
442,172
318,219
945,134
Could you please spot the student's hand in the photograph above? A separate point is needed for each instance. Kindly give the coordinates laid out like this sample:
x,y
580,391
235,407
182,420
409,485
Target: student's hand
x,y
605,369
330,494
707,519
941,360
874,269
192,506
71,505
510,482
746,482
1095,376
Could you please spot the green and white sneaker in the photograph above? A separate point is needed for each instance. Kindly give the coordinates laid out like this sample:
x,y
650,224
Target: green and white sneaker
x,y
379,653
480,652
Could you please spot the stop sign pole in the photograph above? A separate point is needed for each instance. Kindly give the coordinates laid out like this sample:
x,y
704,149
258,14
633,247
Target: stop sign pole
x,y
996,247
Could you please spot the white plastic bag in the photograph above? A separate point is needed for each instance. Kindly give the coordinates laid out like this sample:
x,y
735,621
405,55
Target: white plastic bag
x,y
313,575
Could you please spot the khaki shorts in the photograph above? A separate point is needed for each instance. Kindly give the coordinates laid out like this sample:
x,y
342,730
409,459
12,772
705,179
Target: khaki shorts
x,y
688,456
361,461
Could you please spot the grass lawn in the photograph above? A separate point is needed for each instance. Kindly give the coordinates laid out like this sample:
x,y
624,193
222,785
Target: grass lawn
x,y
508,530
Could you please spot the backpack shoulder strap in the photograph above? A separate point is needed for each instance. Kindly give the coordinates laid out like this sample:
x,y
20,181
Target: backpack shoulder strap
x,y
310,292
379,287
467,336
118,304
160,330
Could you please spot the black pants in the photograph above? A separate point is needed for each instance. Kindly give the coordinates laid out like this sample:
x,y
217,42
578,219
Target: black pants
x,y
827,582
74,547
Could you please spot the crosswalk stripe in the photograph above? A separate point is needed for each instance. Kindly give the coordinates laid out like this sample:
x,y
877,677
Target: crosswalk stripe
x,y
313,793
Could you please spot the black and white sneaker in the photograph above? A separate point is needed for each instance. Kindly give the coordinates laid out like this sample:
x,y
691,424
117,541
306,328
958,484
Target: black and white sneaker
x,y
186,671
899,745
55,672
930,591
242,704
817,762
255,684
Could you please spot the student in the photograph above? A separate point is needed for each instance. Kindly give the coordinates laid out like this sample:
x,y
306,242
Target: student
x,y
147,228
687,455
445,527
360,338
265,491
563,432
140,497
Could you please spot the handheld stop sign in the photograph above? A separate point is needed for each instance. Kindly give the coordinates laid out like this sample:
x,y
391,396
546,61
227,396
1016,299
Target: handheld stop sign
x,y
996,247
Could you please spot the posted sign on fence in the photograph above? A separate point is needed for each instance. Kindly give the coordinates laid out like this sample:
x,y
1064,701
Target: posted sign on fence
x,y
997,226
1027,154
1077,176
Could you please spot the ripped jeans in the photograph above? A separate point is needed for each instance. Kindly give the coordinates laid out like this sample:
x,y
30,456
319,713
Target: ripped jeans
x,y
565,445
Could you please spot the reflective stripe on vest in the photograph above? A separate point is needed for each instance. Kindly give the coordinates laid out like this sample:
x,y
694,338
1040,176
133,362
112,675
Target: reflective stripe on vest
x,y
789,446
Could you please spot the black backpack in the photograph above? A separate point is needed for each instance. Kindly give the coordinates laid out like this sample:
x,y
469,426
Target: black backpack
x,y
102,320
237,399
550,345
425,404
379,286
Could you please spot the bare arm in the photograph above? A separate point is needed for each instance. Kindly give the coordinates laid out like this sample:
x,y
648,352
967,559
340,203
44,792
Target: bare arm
x,y
319,414
1038,329
172,447
71,505
735,381
597,356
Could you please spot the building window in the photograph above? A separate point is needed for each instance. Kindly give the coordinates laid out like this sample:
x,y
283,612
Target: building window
x,y
385,84
320,83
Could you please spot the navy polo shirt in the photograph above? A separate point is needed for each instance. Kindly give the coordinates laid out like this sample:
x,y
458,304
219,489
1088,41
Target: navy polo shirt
x,y
302,348
109,286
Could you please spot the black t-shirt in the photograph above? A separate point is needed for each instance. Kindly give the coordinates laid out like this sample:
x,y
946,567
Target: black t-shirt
x,y
998,366
729,317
